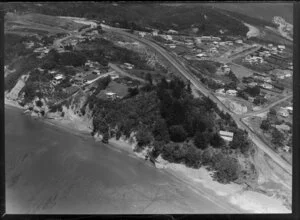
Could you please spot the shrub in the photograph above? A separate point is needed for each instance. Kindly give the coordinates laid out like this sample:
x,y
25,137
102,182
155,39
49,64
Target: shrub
x,y
216,141
39,103
177,133
265,125
227,170
174,152
143,138
200,140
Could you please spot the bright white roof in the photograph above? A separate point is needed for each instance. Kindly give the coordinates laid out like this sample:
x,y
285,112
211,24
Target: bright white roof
x,y
110,93
226,133
227,138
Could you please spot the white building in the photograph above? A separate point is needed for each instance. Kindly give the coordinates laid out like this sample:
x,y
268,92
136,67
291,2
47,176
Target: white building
x,y
226,135
155,33
220,91
231,92
167,37
252,84
281,47
267,86
283,113
128,65
59,77
172,31
96,72
286,148
200,55
239,41
267,79
142,34
111,95
289,109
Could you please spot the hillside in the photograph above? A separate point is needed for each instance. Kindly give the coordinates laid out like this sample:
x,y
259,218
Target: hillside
x,y
263,11
209,21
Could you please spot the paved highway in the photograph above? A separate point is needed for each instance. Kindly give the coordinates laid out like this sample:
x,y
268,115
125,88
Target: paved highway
x,y
183,71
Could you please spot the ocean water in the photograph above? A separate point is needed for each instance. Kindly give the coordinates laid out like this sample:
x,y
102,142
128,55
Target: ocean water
x,y
52,171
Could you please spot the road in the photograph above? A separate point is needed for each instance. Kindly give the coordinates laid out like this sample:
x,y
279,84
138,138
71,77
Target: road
x,y
266,108
117,69
198,85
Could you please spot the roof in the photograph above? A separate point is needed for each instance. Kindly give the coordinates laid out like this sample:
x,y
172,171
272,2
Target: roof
x,y
227,138
59,76
226,133
283,127
231,91
110,93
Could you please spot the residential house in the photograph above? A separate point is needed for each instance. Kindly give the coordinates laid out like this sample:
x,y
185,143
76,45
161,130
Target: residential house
x,y
289,109
283,113
142,34
167,37
155,33
129,66
283,127
281,47
239,41
267,86
59,77
111,95
29,45
96,72
252,84
53,72
251,99
267,79
200,55
287,148
220,91
231,92
172,32
114,76
227,70
226,135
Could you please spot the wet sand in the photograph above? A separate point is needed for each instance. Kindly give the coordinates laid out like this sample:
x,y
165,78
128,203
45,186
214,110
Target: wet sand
x,y
51,171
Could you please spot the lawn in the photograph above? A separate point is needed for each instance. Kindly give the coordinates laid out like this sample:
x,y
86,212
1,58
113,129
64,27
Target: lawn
x,y
240,71
118,88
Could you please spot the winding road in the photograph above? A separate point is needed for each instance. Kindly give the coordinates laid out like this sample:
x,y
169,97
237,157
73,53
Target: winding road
x,y
198,85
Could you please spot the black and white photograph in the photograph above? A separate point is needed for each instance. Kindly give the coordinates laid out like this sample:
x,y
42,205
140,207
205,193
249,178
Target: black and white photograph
x,y
148,108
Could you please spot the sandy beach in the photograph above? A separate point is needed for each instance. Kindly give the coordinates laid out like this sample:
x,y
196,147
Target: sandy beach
x,y
199,179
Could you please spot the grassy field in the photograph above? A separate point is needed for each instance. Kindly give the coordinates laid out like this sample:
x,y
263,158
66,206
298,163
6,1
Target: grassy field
x,y
118,88
38,22
264,11
240,71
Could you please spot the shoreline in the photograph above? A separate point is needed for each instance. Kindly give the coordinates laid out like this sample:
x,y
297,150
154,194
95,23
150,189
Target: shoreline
x,y
200,180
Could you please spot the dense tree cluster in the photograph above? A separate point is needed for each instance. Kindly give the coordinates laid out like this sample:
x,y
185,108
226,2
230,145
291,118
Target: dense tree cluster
x,y
14,46
254,91
21,66
240,141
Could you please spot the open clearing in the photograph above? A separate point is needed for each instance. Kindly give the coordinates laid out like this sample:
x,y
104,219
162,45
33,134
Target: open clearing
x,y
39,22
240,71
